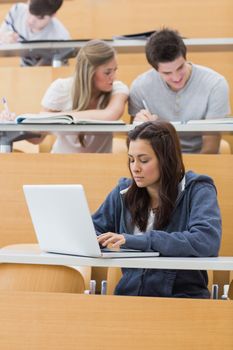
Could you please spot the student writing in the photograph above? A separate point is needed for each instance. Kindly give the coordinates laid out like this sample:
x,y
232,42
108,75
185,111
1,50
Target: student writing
x,y
178,90
33,21
92,93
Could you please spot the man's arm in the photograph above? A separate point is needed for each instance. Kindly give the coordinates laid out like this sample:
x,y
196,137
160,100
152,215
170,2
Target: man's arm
x,y
8,37
8,34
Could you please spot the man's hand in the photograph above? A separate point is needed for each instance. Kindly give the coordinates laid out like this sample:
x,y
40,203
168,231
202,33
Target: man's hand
x,y
111,240
144,116
9,37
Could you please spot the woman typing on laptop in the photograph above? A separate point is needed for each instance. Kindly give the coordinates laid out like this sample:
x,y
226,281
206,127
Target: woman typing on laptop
x,y
162,208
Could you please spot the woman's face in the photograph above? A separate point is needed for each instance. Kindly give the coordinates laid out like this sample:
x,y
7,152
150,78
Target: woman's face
x,y
144,164
104,76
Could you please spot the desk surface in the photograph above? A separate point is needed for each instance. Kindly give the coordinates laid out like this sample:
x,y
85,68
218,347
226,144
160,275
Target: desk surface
x,y
70,48
31,254
187,128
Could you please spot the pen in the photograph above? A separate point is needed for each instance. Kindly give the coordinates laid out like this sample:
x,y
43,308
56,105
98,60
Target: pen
x,y
145,105
5,104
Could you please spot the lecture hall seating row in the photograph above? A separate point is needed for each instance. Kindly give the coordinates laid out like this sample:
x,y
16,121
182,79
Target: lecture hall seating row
x,y
91,169
40,320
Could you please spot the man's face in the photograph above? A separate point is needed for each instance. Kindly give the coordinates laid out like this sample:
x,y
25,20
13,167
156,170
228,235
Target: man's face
x,y
175,73
37,23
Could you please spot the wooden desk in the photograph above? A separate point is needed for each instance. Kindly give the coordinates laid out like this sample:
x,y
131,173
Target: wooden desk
x,y
70,321
62,50
31,254
10,132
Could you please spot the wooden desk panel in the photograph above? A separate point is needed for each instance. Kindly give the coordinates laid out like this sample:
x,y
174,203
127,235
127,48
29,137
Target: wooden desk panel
x,y
24,87
68,321
98,175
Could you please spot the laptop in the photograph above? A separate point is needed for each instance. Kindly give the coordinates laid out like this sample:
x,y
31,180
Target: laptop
x,y
63,223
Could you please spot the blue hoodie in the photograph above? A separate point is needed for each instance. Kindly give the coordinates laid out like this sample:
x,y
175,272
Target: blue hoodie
x,y
194,230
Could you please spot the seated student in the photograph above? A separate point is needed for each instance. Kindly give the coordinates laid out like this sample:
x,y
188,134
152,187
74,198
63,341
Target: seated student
x,y
33,21
162,208
178,90
92,93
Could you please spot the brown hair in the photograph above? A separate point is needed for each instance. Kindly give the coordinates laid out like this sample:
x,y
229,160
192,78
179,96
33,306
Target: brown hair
x,y
92,55
44,7
164,46
164,140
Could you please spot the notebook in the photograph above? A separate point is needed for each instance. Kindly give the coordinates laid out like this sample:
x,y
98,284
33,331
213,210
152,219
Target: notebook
x,y
29,118
63,223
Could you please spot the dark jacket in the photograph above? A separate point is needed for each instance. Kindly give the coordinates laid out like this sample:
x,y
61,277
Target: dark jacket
x,y
194,231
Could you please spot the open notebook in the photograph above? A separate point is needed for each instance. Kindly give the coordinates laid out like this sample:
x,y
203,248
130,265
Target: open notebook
x,y
63,223
53,118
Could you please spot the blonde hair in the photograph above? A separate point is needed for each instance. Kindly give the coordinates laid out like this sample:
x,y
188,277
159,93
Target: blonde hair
x,y
89,58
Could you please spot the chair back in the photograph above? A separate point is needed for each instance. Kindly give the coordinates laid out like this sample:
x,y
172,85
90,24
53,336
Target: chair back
x,y
230,291
114,275
41,278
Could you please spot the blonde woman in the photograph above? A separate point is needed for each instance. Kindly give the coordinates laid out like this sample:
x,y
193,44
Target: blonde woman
x,y
92,93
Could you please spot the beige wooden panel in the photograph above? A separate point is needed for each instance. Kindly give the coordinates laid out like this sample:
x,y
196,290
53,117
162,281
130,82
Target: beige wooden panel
x,y
97,174
41,278
63,72
76,15
24,87
4,8
210,18
70,321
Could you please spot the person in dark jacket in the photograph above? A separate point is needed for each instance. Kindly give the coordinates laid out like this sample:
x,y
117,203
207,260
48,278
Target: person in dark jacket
x,y
162,208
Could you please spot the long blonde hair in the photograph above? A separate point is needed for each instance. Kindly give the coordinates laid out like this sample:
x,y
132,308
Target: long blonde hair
x,y
92,55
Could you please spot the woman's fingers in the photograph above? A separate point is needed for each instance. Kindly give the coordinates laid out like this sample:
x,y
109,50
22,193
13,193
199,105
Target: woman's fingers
x,y
110,238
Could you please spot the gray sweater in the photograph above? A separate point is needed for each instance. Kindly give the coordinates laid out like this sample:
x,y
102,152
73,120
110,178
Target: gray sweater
x,y
204,96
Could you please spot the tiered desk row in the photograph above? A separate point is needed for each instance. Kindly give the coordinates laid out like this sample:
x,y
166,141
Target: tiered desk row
x,y
32,320
74,317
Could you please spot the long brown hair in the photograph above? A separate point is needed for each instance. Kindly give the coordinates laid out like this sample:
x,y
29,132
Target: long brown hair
x,y
92,55
164,140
